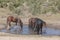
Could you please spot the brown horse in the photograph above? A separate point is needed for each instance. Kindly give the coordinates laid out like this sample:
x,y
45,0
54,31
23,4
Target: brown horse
x,y
31,22
13,19
36,24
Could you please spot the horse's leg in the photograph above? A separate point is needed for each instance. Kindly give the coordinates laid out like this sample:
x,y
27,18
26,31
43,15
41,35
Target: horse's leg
x,y
37,28
21,24
16,23
34,26
9,24
41,28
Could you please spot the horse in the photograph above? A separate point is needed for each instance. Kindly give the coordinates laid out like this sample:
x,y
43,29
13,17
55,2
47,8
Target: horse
x,y
36,24
14,19
31,23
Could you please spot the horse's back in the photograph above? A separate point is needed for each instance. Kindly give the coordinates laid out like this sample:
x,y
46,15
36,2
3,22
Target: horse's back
x,y
12,18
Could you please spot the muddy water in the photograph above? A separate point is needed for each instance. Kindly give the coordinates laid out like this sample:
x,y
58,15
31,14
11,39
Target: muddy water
x,y
26,31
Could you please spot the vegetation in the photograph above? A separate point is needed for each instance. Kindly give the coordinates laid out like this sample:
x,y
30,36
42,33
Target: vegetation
x,y
35,6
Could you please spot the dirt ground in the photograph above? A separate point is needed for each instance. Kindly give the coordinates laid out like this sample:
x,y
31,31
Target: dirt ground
x,y
28,38
7,36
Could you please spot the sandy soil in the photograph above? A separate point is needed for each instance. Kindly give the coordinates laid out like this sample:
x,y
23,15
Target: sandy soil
x,y
26,37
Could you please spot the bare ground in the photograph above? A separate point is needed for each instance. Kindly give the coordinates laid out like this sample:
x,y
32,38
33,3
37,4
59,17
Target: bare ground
x,y
26,37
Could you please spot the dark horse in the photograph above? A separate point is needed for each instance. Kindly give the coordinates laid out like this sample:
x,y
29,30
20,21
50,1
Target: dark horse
x,y
13,19
36,24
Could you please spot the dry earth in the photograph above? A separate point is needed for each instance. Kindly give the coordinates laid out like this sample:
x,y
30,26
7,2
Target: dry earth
x,y
7,36
28,38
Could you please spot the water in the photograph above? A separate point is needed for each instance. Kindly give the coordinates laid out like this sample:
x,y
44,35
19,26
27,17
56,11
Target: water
x,y
26,31
50,31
